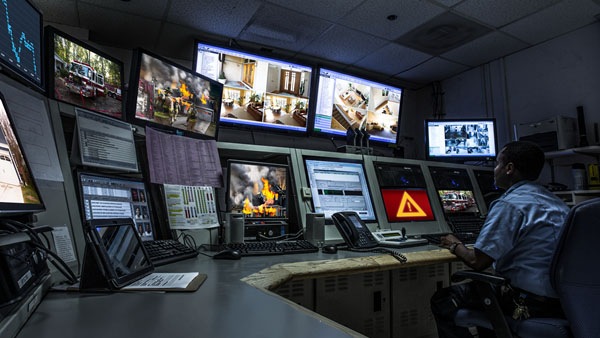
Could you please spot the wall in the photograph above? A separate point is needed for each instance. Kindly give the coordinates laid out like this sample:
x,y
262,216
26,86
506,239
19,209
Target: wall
x,y
537,83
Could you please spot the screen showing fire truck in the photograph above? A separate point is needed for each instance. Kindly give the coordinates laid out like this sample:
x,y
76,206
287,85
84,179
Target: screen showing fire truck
x,y
83,76
257,190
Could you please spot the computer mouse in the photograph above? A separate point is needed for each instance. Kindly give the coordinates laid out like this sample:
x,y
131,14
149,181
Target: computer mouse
x,y
330,249
227,254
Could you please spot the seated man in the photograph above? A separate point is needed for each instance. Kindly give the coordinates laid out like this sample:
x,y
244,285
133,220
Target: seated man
x,y
518,237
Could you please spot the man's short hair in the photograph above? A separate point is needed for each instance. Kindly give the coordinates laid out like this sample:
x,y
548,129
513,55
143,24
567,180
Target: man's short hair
x,y
527,157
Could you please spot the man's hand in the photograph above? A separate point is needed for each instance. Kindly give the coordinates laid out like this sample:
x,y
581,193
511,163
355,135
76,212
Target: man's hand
x,y
447,241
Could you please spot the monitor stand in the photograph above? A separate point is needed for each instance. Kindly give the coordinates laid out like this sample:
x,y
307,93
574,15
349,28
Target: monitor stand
x,y
265,230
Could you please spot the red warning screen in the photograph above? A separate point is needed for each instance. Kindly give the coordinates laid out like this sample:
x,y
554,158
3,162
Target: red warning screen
x,y
403,205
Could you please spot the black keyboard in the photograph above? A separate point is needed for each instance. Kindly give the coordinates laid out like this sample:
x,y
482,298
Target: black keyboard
x,y
272,247
465,223
465,237
165,251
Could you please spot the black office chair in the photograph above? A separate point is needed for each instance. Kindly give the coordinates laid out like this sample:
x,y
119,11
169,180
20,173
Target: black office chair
x,y
575,275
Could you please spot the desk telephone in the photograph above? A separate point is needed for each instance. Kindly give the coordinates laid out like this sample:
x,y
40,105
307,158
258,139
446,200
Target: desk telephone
x,y
357,236
354,230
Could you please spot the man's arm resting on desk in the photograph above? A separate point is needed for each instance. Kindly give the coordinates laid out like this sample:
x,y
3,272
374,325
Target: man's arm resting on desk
x,y
473,258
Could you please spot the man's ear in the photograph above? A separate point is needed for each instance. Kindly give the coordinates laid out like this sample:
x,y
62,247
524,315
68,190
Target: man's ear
x,y
510,168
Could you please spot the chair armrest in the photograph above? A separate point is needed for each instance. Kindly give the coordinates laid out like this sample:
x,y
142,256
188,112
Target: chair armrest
x,y
479,276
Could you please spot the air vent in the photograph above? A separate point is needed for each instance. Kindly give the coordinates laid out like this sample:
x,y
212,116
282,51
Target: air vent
x,y
443,33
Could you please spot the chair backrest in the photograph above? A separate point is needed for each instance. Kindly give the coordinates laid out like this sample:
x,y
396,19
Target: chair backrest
x,y
575,269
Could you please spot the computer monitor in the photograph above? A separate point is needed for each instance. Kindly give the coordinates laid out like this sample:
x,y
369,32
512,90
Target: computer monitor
x,y
82,75
107,196
487,185
339,185
345,101
260,92
168,96
404,192
461,140
18,192
455,191
258,190
21,42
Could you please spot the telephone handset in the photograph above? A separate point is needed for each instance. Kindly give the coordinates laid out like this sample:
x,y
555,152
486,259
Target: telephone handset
x,y
354,230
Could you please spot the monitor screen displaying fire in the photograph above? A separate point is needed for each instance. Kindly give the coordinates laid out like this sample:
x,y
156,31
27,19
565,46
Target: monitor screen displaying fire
x,y
257,190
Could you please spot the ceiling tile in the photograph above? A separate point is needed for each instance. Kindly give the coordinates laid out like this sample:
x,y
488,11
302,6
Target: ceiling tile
x,y
487,48
343,45
176,41
154,9
500,13
554,21
371,17
392,59
118,29
447,3
53,11
226,18
269,29
432,70
328,10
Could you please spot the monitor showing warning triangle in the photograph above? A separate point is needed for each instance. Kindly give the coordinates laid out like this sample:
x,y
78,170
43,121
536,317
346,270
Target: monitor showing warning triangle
x,y
407,205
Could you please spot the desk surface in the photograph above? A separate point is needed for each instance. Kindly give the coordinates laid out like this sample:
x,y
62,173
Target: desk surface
x,y
232,302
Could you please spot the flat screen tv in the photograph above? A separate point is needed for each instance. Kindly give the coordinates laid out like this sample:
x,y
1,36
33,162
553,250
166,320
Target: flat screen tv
x,y
259,92
18,192
258,190
345,101
339,185
168,96
82,75
461,140
21,50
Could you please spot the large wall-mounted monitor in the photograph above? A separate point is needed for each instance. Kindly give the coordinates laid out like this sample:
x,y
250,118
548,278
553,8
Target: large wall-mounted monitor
x,y
339,185
461,140
259,92
345,101
82,75
168,96
404,192
108,196
21,49
18,192
258,190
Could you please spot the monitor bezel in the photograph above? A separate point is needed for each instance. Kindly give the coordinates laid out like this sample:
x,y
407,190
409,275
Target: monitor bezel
x,y
133,93
461,158
80,195
12,208
289,192
342,135
270,127
50,33
328,220
383,187
15,72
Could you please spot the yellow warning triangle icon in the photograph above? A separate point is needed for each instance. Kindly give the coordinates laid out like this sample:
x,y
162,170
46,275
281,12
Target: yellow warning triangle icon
x,y
409,208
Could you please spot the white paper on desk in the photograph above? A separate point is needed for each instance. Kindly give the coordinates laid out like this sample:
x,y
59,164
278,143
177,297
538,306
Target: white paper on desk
x,y
165,280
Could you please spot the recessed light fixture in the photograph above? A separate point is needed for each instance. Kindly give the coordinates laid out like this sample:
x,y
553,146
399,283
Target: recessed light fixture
x,y
392,17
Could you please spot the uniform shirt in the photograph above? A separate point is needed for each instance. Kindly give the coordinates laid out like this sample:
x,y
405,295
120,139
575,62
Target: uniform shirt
x,y
521,232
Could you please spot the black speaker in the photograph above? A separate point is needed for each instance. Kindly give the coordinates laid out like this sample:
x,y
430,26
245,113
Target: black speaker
x,y
583,142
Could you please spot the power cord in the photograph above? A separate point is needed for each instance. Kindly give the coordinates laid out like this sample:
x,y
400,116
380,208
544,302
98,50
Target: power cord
x,y
57,262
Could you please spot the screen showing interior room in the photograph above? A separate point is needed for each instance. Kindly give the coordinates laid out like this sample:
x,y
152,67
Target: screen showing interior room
x,y
259,91
345,101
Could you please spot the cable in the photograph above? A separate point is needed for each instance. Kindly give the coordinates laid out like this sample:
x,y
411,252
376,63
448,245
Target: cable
x,y
399,256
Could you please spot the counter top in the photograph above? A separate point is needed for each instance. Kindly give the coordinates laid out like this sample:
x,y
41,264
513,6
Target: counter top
x,y
234,301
